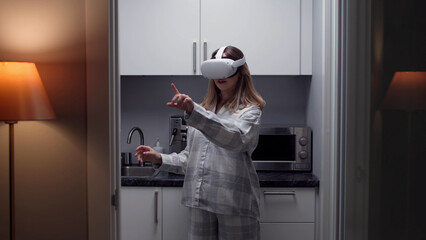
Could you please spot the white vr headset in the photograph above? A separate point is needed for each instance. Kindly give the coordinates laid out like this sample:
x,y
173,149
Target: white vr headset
x,y
220,68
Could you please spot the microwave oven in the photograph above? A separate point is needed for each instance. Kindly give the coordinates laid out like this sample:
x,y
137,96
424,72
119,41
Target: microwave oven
x,y
284,148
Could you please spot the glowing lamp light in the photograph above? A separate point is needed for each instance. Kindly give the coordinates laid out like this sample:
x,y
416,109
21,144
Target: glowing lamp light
x,y
407,91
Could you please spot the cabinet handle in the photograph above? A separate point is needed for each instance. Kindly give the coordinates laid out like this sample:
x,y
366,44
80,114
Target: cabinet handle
x,y
156,207
194,56
205,51
287,193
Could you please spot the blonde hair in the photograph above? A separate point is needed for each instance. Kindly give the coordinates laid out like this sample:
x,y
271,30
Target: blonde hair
x,y
245,93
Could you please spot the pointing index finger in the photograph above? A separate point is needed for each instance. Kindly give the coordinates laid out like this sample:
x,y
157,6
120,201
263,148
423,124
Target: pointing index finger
x,y
175,89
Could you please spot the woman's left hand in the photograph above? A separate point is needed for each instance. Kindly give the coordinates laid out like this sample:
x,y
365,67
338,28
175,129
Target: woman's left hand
x,y
181,101
146,153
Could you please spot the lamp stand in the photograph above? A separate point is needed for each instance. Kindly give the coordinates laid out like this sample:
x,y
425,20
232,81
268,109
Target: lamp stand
x,y
11,179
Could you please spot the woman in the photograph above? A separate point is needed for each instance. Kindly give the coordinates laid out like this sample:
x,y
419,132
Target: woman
x,y
221,186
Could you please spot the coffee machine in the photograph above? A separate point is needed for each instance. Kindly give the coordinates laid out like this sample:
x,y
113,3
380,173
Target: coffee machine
x,y
178,133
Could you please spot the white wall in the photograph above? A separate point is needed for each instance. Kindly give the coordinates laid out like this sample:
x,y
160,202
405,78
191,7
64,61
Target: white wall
x,y
144,103
321,114
98,131
314,109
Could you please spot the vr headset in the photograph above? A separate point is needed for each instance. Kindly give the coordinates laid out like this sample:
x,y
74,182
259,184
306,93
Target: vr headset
x,y
220,68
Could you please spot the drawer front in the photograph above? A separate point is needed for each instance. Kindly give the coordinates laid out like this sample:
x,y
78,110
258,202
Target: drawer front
x,y
287,231
292,205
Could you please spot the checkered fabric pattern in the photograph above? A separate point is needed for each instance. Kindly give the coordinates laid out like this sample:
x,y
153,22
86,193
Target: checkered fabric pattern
x,y
205,225
219,173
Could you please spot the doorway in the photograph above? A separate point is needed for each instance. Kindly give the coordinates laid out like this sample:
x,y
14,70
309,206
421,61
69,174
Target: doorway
x,y
382,147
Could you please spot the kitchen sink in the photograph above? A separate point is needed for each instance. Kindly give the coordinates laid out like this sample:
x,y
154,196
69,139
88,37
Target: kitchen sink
x,y
138,171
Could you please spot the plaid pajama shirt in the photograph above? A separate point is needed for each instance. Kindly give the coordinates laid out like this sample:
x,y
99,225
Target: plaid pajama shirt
x,y
219,173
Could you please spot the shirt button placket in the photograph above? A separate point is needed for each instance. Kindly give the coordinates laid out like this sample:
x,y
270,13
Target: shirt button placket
x,y
200,170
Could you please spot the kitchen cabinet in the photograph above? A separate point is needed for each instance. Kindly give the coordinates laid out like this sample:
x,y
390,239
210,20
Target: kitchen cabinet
x,y
156,213
153,213
287,213
141,213
158,37
167,37
272,33
175,215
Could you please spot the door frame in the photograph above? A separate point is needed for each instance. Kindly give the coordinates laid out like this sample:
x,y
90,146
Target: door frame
x,y
346,49
343,192
353,113
115,120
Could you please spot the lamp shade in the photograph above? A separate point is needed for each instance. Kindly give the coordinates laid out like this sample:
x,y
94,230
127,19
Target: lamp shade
x,y
407,91
22,94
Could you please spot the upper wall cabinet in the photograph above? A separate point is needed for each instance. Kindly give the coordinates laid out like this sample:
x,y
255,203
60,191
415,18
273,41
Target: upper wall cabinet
x,y
156,37
169,37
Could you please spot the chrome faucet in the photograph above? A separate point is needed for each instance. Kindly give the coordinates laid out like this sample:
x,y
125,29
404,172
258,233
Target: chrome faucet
x,y
142,140
129,137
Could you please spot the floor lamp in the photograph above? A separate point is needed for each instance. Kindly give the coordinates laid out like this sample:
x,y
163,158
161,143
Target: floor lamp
x,y
22,98
407,92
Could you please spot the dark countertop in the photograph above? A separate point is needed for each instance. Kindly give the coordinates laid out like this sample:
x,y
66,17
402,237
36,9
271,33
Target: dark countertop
x,y
266,179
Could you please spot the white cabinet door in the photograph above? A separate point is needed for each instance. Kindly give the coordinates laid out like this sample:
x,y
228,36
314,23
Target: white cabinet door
x,y
294,205
287,213
306,37
165,37
175,215
140,213
156,37
287,231
268,32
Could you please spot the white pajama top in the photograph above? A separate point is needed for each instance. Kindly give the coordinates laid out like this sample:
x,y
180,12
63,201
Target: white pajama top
x,y
219,173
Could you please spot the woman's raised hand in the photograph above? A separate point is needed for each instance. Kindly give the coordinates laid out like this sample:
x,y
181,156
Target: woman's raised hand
x,y
181,101
146,153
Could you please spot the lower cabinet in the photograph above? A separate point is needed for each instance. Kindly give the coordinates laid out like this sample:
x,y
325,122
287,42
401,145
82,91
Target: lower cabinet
x,y
287,231
287,213
153,213
141,213
175,215
156,213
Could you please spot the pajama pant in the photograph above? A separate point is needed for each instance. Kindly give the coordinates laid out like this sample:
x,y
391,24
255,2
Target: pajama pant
x,y
204,225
